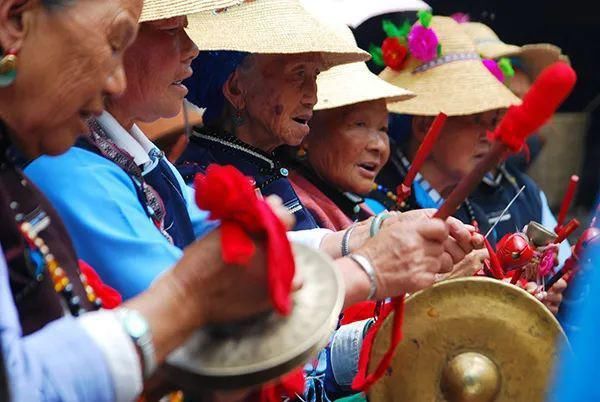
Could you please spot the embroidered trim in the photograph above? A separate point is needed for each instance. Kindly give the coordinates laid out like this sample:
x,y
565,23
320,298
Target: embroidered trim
x,y
235,146
448,58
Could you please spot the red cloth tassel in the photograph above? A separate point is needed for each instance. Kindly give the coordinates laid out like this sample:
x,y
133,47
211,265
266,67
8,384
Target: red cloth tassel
x,y
229,197
363,381
110,297
358,312
287,386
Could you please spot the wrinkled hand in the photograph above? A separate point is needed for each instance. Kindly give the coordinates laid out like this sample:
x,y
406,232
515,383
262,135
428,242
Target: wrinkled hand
x,y
407,255
552,299
472,263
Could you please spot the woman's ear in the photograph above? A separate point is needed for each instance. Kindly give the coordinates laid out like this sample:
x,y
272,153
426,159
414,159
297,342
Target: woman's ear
x,y
12,26
232,90
420,126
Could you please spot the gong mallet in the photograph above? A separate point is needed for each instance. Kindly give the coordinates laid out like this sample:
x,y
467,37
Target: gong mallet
x,y
542,100
404,189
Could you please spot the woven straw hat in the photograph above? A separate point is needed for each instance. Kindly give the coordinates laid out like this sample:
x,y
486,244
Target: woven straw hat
x,y
272,27
161,9
354,83
457,83
534,57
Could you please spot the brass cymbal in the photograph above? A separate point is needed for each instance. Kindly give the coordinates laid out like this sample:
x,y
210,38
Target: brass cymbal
x,y
469,340
264,348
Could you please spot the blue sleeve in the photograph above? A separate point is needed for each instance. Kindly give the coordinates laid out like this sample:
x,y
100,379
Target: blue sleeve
x,y
576,378
109,227
202,226
58,363
337,365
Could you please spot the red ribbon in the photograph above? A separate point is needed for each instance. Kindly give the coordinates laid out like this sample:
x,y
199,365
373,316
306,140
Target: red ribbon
x,y
229,197
363,381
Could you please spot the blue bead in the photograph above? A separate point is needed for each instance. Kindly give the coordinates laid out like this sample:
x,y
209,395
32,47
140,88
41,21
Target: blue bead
x,y
380,187
284,172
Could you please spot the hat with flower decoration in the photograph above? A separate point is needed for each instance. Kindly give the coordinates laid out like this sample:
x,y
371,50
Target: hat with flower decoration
x,y
438,61
354,83
532,58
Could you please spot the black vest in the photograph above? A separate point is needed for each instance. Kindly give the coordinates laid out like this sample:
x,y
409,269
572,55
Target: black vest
x,y
33,291
269,174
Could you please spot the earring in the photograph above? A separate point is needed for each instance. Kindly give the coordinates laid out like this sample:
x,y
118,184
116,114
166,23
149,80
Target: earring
x,y
301,153
238,119
8,68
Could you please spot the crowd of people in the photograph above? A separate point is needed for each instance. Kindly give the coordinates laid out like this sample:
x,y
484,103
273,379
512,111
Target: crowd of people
x,y
107,263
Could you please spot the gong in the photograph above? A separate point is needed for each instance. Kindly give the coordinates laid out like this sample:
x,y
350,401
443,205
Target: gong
x,y
264,348
469,340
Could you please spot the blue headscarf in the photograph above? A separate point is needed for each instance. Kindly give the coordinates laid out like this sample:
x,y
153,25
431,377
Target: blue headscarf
x,y
211,70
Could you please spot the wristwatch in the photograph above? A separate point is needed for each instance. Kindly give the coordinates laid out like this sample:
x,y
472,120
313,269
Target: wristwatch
x,y
138,329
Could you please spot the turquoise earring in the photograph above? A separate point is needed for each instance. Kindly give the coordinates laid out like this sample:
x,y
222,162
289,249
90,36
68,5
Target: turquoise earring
x,y
8,68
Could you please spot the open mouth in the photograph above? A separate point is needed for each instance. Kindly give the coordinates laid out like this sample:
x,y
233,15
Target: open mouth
x,y
369,166
179,82
300,120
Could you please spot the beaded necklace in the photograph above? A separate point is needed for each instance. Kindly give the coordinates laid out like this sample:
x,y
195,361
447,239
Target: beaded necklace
x,y
38,256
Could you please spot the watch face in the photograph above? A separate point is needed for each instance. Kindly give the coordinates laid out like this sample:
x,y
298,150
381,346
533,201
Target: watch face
x,y
136,324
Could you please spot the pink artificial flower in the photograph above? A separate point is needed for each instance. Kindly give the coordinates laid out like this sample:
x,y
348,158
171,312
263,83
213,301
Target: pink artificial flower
x,y
494,69
461,18
423,43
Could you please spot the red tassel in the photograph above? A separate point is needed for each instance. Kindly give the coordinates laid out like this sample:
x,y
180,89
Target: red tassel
x,y
110,297
546,94
495,265
358,312
228,195
362,381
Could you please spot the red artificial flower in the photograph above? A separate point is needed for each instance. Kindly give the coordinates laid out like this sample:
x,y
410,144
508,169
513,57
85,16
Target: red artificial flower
x,y
394,53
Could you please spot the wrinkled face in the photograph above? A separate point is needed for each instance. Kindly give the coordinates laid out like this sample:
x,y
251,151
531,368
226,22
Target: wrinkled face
x,y
279,93
69,59
349,145
156,63
520,83
463,143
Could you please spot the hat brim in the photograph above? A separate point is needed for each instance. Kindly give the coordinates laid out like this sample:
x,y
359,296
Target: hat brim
x,y
162,9
457,88
271,27
354,83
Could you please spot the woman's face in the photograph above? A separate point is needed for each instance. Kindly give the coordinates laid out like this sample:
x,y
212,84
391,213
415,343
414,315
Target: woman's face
x,y
156,63
69,58
348,146
462,143
277,94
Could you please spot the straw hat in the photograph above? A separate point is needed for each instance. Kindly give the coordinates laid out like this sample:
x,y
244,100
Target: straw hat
x,y
534,57
355,12
161,9
271,26
457,83
354,83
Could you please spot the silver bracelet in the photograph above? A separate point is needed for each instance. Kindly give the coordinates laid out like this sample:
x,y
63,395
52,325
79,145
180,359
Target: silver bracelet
x,y
377,222
364,263
346,240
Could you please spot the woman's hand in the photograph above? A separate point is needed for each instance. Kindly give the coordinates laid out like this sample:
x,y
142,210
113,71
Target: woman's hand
x,y
472,263
552,299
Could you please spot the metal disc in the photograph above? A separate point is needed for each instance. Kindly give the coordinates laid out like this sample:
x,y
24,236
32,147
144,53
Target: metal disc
x,y
470,340
267,347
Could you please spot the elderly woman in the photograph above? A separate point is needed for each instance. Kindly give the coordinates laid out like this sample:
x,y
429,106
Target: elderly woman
x,y
474,107
55,346
347,145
